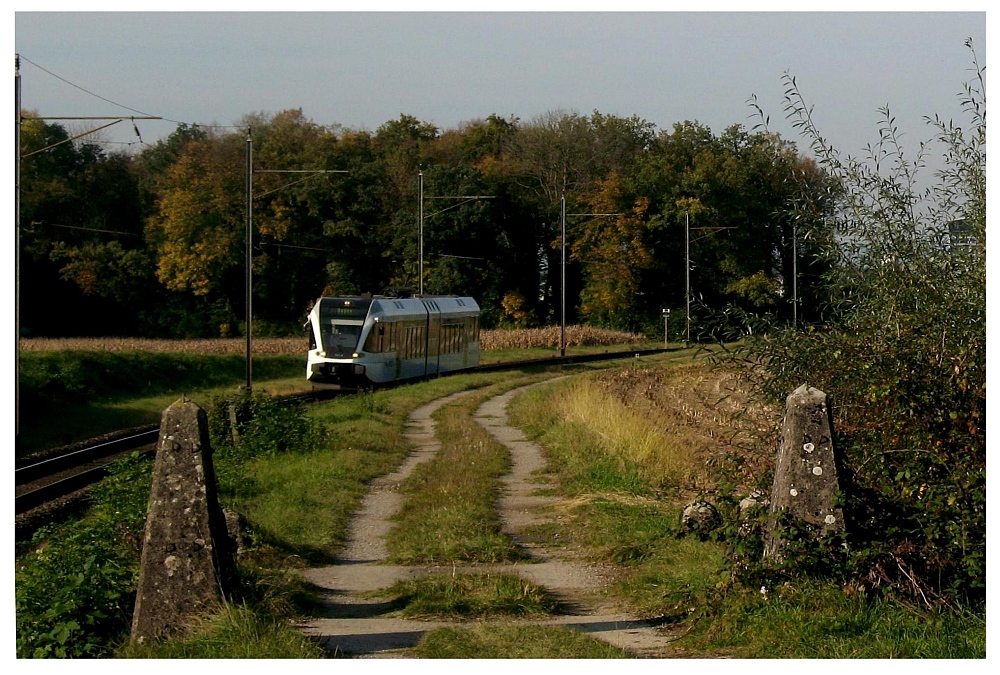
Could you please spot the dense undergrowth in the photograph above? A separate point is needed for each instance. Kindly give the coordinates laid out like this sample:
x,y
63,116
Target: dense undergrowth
x,y
76,581
627,512
902,356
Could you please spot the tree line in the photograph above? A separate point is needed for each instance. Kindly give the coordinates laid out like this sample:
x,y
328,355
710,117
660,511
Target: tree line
x,y
153,243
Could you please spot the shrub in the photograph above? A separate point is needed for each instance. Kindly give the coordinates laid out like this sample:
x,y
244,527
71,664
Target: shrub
x,y
75,590
902,355
264,426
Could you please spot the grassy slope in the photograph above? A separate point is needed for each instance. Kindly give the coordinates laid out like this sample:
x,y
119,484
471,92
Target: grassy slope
x,y
97,385
624,513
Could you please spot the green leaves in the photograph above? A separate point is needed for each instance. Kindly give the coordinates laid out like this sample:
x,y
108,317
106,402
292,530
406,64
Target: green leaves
x,y
902,356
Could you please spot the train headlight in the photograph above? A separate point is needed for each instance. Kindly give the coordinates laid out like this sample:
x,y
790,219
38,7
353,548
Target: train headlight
x,y
322,354
357,355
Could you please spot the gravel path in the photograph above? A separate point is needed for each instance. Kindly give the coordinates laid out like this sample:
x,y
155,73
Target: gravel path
x,y
357,626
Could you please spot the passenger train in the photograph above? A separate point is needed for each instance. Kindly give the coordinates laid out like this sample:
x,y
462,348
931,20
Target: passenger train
x,y
370,340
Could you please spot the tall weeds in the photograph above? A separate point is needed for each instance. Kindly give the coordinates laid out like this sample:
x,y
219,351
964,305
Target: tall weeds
x,y
662,461
902,354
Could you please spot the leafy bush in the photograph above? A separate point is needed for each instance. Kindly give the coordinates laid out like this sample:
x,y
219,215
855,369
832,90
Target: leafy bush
x,y
75,590
245,426
902,355
75,587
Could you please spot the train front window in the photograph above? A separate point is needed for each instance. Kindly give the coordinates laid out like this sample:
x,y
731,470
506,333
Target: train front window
x,y
340,323
340,339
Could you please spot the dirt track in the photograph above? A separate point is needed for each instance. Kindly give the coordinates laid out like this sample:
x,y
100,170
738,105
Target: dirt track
x,y
358,626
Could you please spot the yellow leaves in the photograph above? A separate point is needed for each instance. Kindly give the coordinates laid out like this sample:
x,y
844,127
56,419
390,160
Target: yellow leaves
x,y
199,227
194,265
277,222
514,308
692,206
758,288
612,248
87,281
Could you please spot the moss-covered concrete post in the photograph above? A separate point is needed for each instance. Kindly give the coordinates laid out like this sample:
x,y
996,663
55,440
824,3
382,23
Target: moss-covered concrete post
x,y
805,479
182,570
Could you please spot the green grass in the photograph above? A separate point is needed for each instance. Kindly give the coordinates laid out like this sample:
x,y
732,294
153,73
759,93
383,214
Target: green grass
x,y
235,632
75,582
614,512
469,595
92,393
68,376
574,451
449,513
815,619
303,502
509,641
75,585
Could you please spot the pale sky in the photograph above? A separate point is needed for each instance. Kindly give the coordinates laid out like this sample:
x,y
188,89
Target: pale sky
x,y
361,70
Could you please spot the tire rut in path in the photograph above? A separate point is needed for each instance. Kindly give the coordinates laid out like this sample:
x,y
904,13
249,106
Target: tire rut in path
x,y
357,626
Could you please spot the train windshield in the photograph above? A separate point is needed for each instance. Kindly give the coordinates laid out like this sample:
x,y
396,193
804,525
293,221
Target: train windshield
x,y
341,320
340,339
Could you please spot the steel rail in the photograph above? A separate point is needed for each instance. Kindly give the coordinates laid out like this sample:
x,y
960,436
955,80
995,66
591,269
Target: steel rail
x,y
85,455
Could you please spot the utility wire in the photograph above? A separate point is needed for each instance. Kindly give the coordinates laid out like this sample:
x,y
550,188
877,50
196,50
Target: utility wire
x,y
86,91
78,227
67,140
121,105
301,248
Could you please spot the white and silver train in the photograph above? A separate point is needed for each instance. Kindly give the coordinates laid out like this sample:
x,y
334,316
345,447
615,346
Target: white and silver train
x,y
359,341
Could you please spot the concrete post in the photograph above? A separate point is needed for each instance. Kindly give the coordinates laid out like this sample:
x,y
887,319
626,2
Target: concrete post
x,y
805,479
185,544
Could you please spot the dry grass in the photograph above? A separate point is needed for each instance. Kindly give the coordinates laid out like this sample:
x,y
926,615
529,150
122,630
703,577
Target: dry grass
x,y
699,407
663,459
261,346
522,338
576,336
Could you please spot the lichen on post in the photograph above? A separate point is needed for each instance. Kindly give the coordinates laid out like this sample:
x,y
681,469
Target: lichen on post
x,y
805,478
183,567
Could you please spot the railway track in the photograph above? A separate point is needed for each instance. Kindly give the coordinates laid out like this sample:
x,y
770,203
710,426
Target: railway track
x,y
38,482
42,481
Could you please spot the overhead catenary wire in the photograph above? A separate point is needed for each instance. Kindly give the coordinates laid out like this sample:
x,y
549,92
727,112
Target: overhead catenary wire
x,y
313,173
69,140
90,93
21,57
86,229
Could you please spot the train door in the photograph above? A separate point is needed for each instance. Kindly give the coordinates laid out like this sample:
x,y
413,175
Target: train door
x,y
432,363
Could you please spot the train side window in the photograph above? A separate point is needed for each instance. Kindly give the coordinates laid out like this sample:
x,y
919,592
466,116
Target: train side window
x,y
411,341
375,342
455,333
